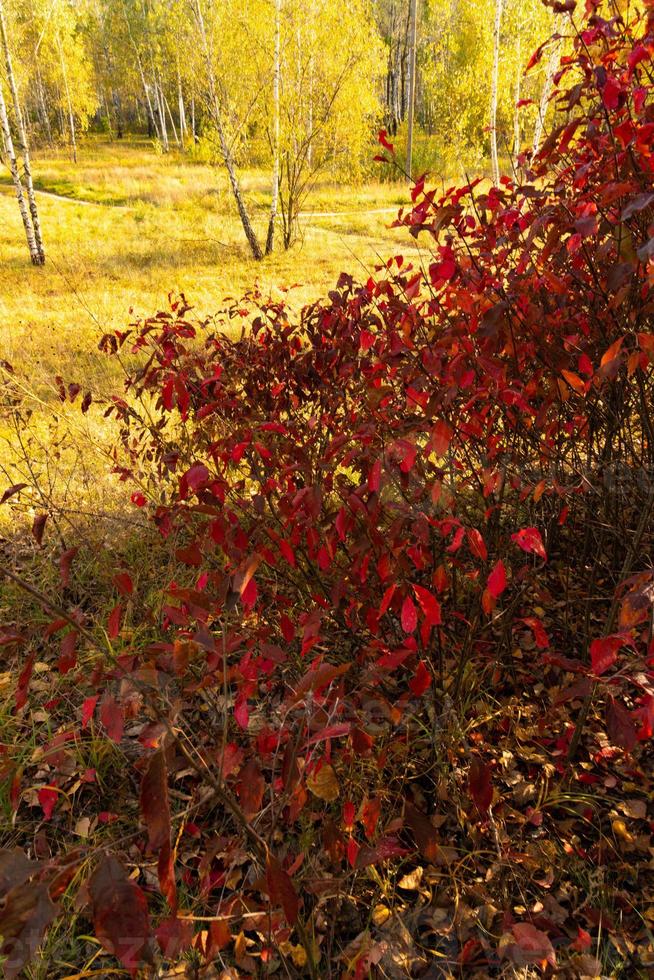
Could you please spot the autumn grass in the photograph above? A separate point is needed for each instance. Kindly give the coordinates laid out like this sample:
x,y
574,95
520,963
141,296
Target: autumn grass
x,y
132,227
136,225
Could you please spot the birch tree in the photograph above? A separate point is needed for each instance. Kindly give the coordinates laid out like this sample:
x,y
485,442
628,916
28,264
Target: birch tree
x,y
216,113
274,202
494,86
29,216
550,71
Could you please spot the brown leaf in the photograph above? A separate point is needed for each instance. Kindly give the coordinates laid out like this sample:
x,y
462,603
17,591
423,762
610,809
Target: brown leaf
x,y
250,788
15,869
38,527
120,912
423,831
324,784
10,491
25,914
155,804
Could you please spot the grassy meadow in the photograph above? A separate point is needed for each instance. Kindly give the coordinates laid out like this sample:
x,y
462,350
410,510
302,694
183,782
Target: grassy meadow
x,y
135,224
123,228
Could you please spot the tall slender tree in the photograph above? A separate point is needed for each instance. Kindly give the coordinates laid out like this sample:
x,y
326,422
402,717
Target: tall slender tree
x,y
30,217
274,202
216,113
413,38
550,71
494,90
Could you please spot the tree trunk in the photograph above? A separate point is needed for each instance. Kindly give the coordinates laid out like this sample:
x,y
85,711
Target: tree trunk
x,y
152,122
270,238
516,110
183,128
552,64
214,108
71,117
172,123
161,110
494,86
33,232
412,86
193,132
36,254
43,109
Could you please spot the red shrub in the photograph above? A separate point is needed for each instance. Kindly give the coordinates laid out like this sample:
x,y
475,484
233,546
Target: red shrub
x,y
367,508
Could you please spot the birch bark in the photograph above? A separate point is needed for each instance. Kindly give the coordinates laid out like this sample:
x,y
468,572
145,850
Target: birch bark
x,y
494,87
228,159
274,203
33,232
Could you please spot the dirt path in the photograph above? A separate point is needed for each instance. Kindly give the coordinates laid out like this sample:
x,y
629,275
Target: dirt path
x,y
124,207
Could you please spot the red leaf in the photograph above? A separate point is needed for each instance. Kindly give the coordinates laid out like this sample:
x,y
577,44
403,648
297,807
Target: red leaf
x,y
113,622
534,945
421,680
120,912
220,937
241,713
496,582
384,850
540,634
47,798
370,815
281,890
383,139
123,583
88,707
529,540
174,936
190,555
38,527
111,716
374,477
476,544
604,653
430,606
620,726
287,552
23,682
409,616
441,437
64,565
480,785
68,655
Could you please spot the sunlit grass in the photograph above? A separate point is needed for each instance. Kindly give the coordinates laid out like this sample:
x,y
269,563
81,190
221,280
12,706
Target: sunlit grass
x,y
135,226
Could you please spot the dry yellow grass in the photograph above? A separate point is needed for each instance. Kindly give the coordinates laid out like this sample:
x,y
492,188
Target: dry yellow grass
x,y
134,226
150,224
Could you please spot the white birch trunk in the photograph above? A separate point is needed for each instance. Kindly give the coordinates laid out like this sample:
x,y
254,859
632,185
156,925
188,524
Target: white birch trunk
x,y
516,111
69,104
183,128
552,65
412,86
162,116
214,108
494,86
34,222
274,203
36,255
